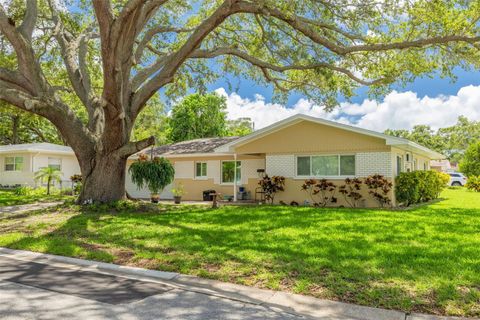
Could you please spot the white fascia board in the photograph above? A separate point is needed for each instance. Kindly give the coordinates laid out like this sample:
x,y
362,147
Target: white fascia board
x,y
57,152
414,147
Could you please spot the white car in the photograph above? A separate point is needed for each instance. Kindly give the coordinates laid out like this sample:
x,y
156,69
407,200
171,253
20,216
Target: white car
x,y
457,179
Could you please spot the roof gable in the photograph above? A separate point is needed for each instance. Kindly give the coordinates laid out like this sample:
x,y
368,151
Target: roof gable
x,y
281,125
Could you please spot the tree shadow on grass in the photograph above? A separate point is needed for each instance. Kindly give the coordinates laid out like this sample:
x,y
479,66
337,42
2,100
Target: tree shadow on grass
x,y
416,260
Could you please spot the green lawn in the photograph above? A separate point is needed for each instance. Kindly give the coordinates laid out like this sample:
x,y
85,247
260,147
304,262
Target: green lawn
x,y
8,198
425,260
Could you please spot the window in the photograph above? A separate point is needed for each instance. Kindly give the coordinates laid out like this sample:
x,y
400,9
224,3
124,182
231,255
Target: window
x,y
200,169
13,163
399,165
320,166
425,166
55,163
228,171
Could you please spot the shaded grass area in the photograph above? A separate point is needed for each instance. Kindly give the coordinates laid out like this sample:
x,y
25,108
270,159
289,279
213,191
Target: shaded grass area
x,y
425,260
9,198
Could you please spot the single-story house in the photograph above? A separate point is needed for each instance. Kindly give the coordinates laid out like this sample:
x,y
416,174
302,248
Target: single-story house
x,y
297,148
19,162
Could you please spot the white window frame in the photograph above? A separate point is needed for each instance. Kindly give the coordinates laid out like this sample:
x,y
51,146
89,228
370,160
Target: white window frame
x,y
14,163
239,178
202,177
338,155
54,158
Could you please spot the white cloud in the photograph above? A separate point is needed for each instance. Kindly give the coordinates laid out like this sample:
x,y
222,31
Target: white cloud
x,y
398,110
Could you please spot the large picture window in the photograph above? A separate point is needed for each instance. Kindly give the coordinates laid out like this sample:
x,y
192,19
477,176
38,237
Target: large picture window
x,y
200,169
326,166
228,171
13,163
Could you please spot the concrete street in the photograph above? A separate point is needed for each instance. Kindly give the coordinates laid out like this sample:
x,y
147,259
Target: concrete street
x,y
30,290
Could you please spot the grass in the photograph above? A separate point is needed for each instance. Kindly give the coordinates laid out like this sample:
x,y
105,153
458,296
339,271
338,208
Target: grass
x,y
423,260
9,198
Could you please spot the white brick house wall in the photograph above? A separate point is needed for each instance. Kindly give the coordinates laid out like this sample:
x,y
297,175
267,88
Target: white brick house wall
x,y
367,163
280,165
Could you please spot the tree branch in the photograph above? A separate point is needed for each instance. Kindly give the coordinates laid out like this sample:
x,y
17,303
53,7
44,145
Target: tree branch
x,y
149,34
175,61
30,19
135,146
303,25
266,65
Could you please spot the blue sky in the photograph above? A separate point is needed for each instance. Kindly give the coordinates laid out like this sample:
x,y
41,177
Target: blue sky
x,y
431,87
434,101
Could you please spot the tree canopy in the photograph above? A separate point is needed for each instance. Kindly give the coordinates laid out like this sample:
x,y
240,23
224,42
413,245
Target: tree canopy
x,y
90,68
470,164
198,116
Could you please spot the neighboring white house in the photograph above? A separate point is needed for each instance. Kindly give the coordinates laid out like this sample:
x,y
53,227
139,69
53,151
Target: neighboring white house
x,y
18,163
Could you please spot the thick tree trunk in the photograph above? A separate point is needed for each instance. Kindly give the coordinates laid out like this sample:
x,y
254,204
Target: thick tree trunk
x,y
103,179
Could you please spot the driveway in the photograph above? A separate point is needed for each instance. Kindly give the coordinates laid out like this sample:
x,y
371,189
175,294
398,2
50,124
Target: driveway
x,y
27,207
31,290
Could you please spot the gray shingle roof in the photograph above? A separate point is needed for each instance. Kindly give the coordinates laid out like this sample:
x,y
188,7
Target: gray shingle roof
x,y
204,145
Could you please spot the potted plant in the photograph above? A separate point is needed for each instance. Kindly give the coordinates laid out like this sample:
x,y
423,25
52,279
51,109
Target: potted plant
x,y
155,174
178,192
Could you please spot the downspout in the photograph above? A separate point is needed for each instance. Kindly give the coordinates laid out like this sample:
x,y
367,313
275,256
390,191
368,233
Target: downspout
x,y
235,177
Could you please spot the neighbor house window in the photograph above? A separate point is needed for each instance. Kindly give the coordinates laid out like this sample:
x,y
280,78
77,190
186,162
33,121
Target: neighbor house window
x,y
200,169
228,171
13,163
320,166
55,163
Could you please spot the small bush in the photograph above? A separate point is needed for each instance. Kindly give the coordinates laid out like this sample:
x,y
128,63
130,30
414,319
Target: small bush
x,y
322,192
350,191
271,185
419,186
23,191
379,188
473,183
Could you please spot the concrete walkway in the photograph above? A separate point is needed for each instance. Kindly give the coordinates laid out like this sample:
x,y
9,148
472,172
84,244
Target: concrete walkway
x,y
27,286
27,207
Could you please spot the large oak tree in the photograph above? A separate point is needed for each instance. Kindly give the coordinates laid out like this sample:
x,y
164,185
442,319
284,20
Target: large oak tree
x,y
116,55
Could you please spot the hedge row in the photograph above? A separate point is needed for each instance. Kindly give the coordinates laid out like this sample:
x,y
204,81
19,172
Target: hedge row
x,y
419,186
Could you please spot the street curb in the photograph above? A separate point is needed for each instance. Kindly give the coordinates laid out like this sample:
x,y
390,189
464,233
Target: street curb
x,y
287,302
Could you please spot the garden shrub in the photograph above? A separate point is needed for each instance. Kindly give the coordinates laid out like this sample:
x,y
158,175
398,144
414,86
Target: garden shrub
x,y
350,191
407,189
23,191
419,186
321,192
379,188
271,185
473,183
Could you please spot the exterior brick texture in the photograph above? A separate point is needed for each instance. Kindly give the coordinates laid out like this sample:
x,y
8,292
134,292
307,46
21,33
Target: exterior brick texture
x,y
367,163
